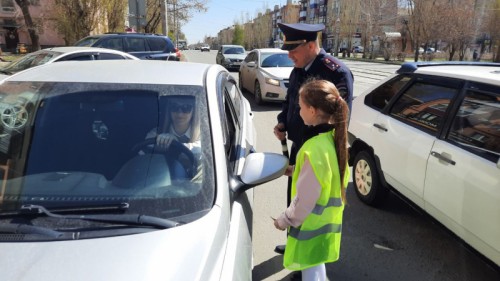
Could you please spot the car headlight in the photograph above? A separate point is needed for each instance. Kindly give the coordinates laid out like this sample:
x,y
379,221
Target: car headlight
x,y
272,81
227,60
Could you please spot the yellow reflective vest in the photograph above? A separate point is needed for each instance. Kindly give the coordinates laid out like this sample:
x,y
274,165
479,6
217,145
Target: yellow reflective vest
x,y
317,240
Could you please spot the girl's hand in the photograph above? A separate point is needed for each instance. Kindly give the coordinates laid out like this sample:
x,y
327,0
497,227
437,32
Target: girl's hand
x,y
277,225
289,170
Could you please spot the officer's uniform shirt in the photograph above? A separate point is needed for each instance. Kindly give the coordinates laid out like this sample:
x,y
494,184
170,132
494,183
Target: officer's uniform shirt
x,y
326,67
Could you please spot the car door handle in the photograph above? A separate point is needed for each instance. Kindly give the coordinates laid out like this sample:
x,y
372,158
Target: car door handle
x,y
378,126
442,158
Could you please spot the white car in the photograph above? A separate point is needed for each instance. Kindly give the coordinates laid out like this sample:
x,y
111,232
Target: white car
x,y
205,48
265,73
431,132
56,54
86,195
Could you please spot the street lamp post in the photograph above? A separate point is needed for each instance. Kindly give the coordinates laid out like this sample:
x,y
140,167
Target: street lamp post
x,y
337,33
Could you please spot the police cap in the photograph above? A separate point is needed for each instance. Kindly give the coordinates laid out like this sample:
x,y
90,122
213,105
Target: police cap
x,y
299,33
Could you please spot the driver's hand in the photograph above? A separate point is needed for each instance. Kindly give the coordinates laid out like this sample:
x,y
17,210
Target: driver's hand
x,y
164,140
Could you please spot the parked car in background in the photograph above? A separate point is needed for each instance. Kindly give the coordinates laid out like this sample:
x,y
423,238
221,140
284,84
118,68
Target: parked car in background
x,y
88,195
230,56
56,54
141,45
358,49
205,48
265,73
431,132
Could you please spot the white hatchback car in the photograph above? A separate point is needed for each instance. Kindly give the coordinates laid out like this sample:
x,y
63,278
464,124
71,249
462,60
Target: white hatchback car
x,y
431,132
86,194
58,54
265,73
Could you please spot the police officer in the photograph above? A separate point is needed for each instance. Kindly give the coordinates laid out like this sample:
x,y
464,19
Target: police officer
x,y
309,61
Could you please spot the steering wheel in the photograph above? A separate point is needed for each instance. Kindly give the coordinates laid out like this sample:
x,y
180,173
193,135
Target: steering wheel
x,y
172,153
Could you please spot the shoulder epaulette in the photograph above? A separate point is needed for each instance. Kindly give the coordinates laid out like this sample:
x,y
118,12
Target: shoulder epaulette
x,y
330,63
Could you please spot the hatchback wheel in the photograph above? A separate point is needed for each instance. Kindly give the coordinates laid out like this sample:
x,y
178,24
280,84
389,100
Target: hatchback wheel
x,y
257,93
366,178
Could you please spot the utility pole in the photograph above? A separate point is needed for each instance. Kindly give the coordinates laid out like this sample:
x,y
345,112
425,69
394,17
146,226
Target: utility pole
x,y
164,17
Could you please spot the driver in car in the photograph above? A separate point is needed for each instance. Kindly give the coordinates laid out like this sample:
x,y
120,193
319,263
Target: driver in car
x,y
181,124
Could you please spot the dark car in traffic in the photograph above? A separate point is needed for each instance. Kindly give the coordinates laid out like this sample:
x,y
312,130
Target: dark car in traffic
x,y
142,45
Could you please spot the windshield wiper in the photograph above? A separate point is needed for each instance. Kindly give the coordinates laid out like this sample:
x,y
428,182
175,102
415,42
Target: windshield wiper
x,y
134,219
17,228
5,72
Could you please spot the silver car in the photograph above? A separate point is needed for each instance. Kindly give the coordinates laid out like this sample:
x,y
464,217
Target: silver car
x,y
265,73
230,56
88,195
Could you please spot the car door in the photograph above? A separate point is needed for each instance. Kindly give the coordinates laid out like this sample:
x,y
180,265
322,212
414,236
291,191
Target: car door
x,y
406,133
247,71
239,247
138,47
462,186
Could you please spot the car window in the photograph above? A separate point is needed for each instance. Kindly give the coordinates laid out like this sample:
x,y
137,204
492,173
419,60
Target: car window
x,y
251,57
31,60
424,105
107,56
115,43
381,96
135,44
87,42
75,147
476,126
276,60
234,50
157,44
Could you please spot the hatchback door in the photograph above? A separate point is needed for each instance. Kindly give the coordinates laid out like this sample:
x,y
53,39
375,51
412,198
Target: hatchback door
x,y
462,186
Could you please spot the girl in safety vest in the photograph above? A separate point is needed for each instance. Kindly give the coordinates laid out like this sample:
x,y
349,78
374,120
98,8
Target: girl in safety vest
x,y
319,180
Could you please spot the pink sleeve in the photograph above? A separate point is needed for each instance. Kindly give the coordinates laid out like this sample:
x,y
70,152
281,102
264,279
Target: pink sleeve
x,y
308,192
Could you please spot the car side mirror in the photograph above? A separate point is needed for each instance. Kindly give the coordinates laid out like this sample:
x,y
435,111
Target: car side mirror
x,y
261,167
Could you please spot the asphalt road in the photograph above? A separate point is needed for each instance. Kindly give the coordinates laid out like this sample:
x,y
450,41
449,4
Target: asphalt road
x,y
392,243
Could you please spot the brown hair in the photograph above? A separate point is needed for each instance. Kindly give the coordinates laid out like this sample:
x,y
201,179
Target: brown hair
x,y
324,96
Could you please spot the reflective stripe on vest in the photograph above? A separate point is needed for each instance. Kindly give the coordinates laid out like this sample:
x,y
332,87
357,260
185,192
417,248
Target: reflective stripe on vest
x,y
309,234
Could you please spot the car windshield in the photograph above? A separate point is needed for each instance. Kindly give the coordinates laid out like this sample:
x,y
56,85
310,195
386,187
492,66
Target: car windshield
x,y
87,41
275,60
30,60
74,146
234,51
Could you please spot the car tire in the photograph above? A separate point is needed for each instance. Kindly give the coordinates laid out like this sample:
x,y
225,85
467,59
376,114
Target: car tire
x,y
366,180
257,93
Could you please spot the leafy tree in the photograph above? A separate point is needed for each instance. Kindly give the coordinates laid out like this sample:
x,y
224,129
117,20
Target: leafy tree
x,y
238,35
30,25
115,13
76,18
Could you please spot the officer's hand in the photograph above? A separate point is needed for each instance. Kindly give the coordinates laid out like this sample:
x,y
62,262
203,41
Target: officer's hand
x,y
279,131
164,140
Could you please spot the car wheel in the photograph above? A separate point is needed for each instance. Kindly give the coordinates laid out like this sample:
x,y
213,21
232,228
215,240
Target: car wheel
x,y
257,93
366,179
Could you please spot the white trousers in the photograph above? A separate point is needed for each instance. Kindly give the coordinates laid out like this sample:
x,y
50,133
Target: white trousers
x,y
315,273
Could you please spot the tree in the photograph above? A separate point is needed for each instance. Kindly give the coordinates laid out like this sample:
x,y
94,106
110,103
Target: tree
x,y
30,25
238,37
178,13
115,13
76,18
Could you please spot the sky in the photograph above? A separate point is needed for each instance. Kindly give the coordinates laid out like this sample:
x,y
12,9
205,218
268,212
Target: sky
x,y
222,14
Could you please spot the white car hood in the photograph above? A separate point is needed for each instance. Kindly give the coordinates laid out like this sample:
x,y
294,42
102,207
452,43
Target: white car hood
x,y
180,253
279,72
